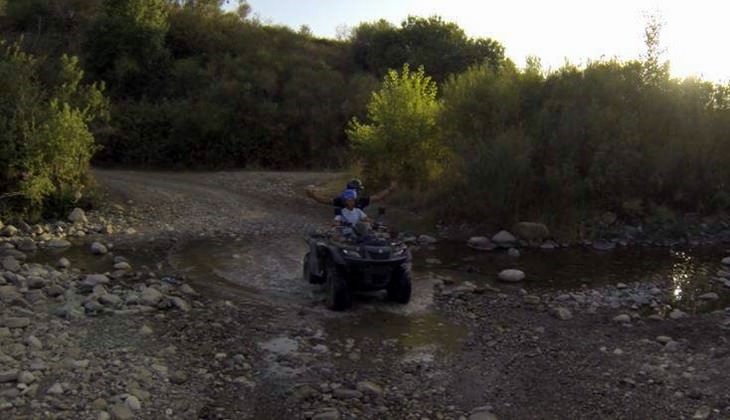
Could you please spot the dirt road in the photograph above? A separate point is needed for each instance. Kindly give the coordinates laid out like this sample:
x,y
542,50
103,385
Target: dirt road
x,y
261,345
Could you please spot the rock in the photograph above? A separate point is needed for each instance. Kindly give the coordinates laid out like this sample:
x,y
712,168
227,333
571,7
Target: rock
x,y
346,394
26,377
10,264
92,280
327,414
726,260
55,389
482,415
623,318
702,413
531,299
58,243
35,282
549,245
511,276
63,263
9,376
481,243
133,403
504,239
121,412
54,290
77,216
186,289
663,339
9,231
608,218
433,261
710,296
34,342
513,252
151,296
369,388
530,231
130,231
9,294
621,286
426,240
99,404
27,245
562,313
16,322
671,346
677,314
103,415
122,266
97,248
179,303
110,299
178,377
601,245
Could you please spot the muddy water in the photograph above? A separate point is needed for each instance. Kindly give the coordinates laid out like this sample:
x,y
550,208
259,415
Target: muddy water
x,y
688,272
269,270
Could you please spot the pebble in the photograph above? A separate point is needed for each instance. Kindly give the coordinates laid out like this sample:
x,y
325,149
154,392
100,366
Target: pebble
x,y
726,260
562,313
26,377
702,413
97,248
623,318
346,394
370,388
55,389
121,412
16,322
133,403
122,266
9,376
677,314
531,299
710,296
663,339
327,414
511,275
513,252
34,342
671,346
146,330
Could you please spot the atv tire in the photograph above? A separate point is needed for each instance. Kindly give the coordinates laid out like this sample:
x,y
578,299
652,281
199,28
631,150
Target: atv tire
x,y
399,288
339,296
306,275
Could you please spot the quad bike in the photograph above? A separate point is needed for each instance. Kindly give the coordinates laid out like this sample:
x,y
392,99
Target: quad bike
x,y
358,258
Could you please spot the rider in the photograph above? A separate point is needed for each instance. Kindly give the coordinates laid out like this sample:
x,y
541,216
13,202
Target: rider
x,y
350,215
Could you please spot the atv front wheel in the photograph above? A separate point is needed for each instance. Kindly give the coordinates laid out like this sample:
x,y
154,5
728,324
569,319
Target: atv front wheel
x,y
306,274
399,289
339,296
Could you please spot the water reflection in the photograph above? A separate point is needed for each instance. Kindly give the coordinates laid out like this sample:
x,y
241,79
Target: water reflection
x,y
682,269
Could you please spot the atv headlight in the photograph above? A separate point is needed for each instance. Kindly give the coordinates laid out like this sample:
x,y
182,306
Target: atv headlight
x,y
351,252
400,251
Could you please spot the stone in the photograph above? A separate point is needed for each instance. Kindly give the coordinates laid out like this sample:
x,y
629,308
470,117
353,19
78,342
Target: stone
x,y
623,318
10,264
327,414
121,412
513,252
482,415
726,260
531,299
427,240
97,248
511,276
63,263
133,403
677,314
549,245
99,404
110,299
663,339
702,413
531,231
146,330
179,303
92,280
54,290
346,394
77,216
34,342
26,377
671,346
151,296
562,313
9,231
433,261
9,376
710,296
178,377
27,245
601,245
55,389
35,282
504,239
103,415
58,243
9,294
370,388
481,243
16,322
123,265
186,289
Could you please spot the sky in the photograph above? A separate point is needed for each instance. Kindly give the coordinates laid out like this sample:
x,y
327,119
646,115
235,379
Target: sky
x,y
696,33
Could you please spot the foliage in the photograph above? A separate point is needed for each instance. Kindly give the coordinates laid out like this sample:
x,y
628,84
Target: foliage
x,y
45,142
400,140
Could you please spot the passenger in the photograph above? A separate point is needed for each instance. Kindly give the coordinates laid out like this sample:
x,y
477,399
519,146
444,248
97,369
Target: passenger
x,y
350,215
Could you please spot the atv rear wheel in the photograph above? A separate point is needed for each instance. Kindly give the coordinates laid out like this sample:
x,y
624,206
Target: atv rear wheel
x,y
399,288
306,274
339,296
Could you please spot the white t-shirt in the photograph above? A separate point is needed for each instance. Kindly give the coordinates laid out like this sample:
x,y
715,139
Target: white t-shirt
x,y
351,216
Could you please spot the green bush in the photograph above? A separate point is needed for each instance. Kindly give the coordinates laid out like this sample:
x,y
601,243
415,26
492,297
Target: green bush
x,y
44,131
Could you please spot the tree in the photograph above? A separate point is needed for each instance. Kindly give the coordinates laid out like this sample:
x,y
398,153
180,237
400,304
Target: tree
x,y
655,70
400,141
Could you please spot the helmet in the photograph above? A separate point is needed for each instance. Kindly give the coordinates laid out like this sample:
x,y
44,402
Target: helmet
x,y
349,195
355,184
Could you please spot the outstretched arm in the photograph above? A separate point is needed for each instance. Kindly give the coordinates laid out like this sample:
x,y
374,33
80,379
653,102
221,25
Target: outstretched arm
x,y
381,195
317,195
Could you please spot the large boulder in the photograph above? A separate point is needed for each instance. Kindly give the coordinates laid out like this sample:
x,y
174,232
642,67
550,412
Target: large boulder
x,y
77,216
481,243
504,239
511,276
531,231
